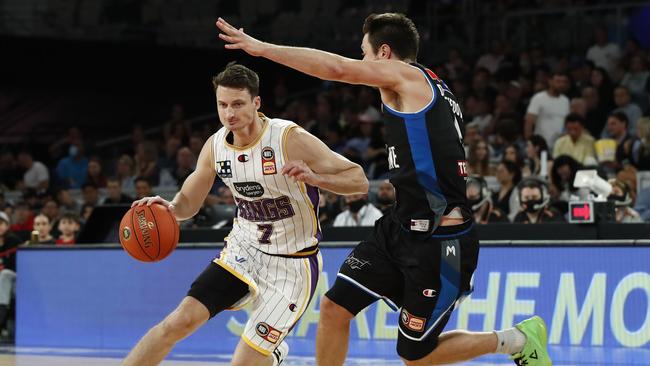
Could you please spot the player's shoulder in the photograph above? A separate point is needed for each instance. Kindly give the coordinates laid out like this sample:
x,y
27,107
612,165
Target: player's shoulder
x,y
282,123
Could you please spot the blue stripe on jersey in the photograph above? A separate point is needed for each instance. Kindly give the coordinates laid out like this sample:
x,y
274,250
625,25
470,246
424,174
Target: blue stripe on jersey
x,y
418,137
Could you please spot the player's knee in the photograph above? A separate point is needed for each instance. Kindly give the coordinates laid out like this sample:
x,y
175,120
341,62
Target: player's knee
x,y
176,326
333,313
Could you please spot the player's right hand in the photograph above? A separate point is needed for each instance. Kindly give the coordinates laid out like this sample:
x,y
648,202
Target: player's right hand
x,y
151,200
237,39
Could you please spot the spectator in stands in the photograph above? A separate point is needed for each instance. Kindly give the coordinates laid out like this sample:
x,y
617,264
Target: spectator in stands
x,y
114,193
481,87
640,148
578,106
329,207
491,60
622,99
636,80
576,143
196,144
95,174
23,219
143,188
359,212
86,212
69,227
71,171
472,135
534,200
8,246
511,153
60,147
36,175
146,162
601,81
617,129
596,113
478,159
90,194
67,202
547,109
385,196
9,172
137,135
168,161
185,165
43,225
603,53
51,210
480,201
482,115
126,172
621,195
534,148
562,176
508,175
177,127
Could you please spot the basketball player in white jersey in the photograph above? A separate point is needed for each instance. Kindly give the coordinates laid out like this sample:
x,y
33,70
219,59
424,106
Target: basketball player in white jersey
x,y
271,260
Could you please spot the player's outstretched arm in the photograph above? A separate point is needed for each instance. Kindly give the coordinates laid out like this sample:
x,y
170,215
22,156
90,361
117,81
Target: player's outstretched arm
x,y
312,162
321,64
196,187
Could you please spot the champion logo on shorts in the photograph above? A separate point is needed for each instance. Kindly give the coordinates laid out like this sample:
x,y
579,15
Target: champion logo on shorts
x,y
267,332
429,292
413,323
293,307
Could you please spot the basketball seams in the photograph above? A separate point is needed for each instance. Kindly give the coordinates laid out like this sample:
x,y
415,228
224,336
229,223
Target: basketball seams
x,y
155,220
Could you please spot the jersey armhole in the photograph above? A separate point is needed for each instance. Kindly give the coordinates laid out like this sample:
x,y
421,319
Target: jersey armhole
x,y
285,135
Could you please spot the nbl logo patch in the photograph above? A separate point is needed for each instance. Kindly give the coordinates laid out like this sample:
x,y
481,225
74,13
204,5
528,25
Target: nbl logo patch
x,y
268,161
411,322
267,332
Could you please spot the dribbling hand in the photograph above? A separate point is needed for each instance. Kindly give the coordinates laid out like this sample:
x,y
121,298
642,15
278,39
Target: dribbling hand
x,y
148,201
299,171
237,39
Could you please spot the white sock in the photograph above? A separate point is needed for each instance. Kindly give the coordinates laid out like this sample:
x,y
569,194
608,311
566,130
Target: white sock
x,y
510,341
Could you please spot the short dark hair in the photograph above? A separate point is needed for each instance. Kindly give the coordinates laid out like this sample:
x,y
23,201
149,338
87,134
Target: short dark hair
x,y
238,77
621,117
70,216
395,30
142,179
574,117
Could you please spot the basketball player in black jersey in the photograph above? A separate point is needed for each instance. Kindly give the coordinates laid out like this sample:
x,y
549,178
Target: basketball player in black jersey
x,y
421,256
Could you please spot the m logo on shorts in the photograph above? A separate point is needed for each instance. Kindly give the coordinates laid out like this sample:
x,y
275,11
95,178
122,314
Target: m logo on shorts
x,y
267,332
451,250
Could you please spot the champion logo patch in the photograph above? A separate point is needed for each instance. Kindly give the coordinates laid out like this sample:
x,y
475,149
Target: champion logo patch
x,y
243,158
429,292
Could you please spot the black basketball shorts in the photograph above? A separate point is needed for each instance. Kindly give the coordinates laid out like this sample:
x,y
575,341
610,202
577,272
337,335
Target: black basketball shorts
x,y
422,275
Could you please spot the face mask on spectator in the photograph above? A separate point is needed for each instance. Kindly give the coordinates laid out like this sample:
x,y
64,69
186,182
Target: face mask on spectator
x,y
355,206
533,205
384,201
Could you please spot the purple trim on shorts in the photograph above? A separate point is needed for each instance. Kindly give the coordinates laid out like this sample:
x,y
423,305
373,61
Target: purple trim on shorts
x,y
314,272
314,197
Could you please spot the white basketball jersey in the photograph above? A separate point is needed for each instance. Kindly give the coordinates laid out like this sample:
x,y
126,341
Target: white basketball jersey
x,y
274,213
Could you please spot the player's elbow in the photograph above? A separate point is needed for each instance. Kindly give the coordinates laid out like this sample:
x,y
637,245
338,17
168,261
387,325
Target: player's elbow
x,y
362,185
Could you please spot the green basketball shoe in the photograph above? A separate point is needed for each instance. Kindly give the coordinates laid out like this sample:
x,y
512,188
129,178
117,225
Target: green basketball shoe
x,y
534,352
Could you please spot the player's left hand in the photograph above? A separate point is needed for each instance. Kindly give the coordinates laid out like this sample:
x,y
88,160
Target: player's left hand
x,y
237,39
300,172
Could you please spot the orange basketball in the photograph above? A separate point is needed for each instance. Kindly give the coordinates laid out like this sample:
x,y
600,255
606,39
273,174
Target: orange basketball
x,y
149,233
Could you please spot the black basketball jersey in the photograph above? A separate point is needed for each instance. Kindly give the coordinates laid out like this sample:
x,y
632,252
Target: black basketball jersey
x,y
426,158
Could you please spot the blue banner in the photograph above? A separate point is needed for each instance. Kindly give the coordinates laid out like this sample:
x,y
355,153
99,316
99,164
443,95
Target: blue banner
x,y
589,296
